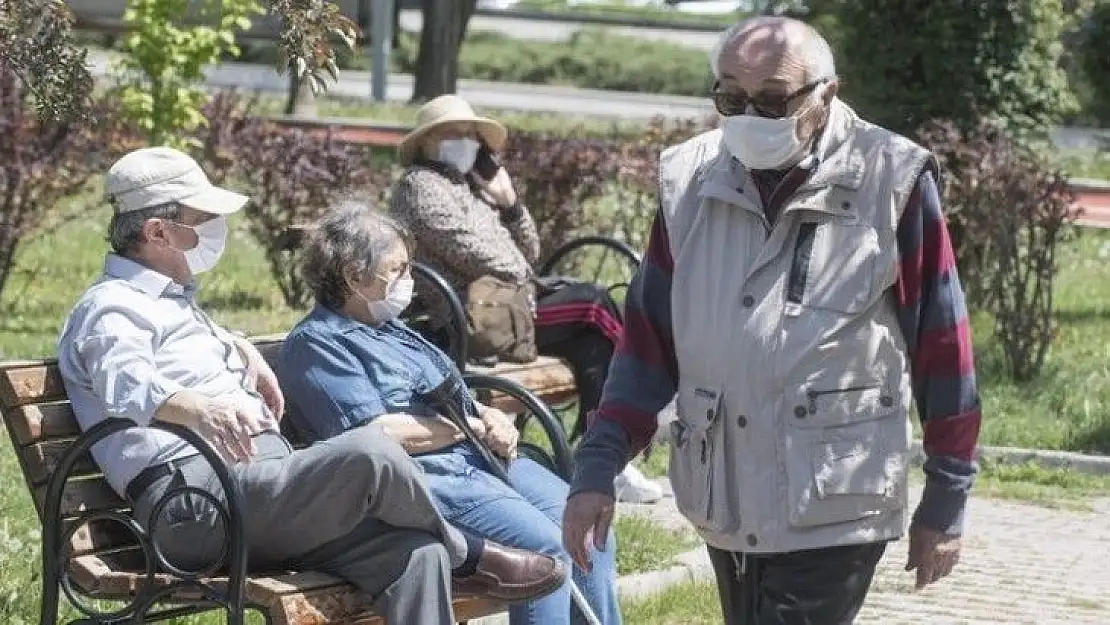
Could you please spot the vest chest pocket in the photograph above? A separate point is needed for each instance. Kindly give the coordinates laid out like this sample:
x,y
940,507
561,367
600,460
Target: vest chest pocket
x,y
694,440
846,451
833,267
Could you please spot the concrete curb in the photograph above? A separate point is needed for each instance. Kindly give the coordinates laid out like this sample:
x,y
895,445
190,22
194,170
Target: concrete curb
x,y
690,566
1049,459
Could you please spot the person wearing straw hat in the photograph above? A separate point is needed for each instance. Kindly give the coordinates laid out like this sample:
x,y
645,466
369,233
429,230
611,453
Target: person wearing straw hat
x,y
470,225
137,346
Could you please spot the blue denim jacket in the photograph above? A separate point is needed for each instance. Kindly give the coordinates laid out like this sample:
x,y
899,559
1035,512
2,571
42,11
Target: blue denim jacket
x,y
341,373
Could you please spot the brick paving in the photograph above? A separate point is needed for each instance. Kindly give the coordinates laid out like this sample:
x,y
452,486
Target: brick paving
x,y
1021,563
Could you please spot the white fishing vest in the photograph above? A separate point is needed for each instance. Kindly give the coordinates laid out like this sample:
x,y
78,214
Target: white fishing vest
x,y
794,390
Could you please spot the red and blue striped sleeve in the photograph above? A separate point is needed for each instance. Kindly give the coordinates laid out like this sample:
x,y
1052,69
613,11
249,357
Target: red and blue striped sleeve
x,y
643,375
932,313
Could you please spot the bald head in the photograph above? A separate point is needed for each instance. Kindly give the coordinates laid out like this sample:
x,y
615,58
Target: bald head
x,y
771,47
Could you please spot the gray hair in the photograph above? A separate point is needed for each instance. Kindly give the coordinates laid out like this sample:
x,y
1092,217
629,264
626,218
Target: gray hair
x,y
126,229
349,240
818,55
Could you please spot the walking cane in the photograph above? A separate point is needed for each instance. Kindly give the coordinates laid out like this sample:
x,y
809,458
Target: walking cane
x,y
446,397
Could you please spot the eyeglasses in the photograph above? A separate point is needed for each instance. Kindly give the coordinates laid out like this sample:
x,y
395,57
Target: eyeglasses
x,y
731,103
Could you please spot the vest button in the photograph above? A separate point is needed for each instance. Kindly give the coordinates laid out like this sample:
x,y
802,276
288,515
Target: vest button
x,y
887,401
742,421
748,301
846,205
800,412
752,540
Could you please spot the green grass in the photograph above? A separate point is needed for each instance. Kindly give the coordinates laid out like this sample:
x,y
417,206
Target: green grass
x,y
1086,163
1053,488
621,9
644,545
1068,406
689,603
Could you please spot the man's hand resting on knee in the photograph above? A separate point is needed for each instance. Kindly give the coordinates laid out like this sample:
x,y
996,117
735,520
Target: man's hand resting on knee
x,y
226,427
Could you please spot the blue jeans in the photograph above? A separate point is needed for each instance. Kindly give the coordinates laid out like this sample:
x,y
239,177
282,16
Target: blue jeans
x,y
528,516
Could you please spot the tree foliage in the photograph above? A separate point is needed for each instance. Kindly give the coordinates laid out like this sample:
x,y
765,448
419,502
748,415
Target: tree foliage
x,y
1094,58
36,45
162,73
905,62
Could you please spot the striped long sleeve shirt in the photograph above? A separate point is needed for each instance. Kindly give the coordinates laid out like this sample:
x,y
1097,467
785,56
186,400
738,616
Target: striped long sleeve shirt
x,y
933,317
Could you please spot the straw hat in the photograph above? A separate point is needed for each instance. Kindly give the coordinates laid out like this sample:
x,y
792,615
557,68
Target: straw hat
x,y
448,109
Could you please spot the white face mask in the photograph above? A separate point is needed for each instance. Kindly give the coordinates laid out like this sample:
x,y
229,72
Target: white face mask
x,y
397,298
762,143
211,239
459,153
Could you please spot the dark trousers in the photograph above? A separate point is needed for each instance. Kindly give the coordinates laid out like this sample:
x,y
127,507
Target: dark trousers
x,y
576,336
812,587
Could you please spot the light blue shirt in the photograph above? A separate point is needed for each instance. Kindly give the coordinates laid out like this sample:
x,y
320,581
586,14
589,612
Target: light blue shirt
x,y
133,339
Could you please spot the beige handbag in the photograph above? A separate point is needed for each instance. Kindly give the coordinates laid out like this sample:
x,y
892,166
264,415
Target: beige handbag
x,y
502,322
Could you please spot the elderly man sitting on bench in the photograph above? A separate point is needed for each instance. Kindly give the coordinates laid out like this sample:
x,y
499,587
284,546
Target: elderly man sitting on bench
x,y
137,346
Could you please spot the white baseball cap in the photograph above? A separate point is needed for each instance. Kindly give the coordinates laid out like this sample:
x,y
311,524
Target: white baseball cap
x,y
160,175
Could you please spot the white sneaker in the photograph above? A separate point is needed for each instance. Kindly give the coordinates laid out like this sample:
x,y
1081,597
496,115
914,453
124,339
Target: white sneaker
x,y
634,487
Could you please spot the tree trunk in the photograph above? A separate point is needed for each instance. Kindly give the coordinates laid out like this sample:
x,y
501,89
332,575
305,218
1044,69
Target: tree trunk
x,y
300,101
437,64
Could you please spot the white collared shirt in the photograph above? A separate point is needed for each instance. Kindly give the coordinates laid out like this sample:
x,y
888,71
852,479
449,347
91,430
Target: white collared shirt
x,y
133,339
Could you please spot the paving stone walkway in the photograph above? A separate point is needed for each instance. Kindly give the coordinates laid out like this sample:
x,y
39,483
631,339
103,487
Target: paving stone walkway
x,y
1022,563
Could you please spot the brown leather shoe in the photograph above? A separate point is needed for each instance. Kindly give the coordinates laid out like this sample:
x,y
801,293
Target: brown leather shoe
x,y
511,574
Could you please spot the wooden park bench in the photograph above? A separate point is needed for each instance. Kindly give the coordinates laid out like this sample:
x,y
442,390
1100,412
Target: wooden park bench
x,y
93,550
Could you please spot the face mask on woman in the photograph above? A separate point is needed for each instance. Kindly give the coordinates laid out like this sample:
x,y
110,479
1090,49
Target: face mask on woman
x,y
459,153
397,298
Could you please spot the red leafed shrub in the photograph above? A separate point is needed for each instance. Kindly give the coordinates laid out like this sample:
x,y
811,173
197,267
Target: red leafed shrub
x,y
44,160
1007,209
291,175
558,177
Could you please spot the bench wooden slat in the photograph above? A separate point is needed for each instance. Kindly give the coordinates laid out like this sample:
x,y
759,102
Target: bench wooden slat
x,y
31,382
81,496
36,422
99,537
41,459
309,597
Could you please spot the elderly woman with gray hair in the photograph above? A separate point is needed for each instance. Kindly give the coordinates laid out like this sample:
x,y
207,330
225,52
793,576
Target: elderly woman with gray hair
x,y
352,361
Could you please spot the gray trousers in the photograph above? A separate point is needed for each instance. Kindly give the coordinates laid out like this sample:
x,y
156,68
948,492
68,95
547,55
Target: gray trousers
x,y
355,506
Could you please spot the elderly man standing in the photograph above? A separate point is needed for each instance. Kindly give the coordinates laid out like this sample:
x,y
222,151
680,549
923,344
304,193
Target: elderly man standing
x,y
137,346
799,293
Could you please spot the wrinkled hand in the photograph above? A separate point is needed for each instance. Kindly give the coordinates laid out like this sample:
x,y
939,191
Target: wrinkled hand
x,y
229,429
586,513
262,379
932,553
501,433
499,191
478,426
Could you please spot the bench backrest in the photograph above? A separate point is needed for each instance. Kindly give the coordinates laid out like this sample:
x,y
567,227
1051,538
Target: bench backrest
x,y
41,424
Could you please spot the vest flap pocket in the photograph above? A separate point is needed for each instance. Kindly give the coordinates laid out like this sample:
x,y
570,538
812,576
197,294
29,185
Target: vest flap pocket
x,y
845,480
843,402
833,266
693,442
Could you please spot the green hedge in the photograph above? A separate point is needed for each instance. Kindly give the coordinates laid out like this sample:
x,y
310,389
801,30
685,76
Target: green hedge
x,y
591,58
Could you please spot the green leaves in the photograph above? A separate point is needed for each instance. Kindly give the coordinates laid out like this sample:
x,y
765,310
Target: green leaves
x,y
957,61
161,76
